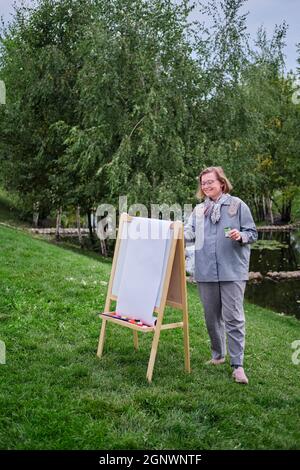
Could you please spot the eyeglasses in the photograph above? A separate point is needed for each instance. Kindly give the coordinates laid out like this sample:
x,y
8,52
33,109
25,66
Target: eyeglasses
x,y
208,183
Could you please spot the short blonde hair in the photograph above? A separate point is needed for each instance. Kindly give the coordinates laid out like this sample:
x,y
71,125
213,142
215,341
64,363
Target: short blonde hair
x,y
220,175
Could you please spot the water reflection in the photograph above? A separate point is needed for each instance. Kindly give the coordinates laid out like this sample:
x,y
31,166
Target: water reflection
x,y
281,296
284,258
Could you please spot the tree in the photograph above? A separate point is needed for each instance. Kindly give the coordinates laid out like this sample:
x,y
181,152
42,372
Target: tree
x,y
39,64
138,89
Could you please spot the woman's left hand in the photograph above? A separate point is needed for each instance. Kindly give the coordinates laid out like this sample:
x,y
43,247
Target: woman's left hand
x,y
234,234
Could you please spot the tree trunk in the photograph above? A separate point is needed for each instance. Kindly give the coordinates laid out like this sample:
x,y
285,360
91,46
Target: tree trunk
x,y
58,224
89,213
36,214
79,226
103,248
264,207
101,235
256,208
270,210
94,221
259,208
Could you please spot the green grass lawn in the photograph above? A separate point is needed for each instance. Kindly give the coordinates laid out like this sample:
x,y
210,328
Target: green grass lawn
x,y
56,394
9,212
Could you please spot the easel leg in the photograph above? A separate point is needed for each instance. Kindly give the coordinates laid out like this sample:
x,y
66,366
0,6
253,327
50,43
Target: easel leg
x,y
153,354
135,340
185,316
101,339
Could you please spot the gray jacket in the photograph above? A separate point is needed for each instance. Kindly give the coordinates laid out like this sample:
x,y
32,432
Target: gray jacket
x,y
218,258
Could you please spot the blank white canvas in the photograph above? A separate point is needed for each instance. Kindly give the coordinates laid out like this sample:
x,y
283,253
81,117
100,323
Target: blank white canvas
x,y
120,265
139,277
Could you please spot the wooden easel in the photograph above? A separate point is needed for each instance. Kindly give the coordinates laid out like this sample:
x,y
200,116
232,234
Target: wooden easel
x,y
173,294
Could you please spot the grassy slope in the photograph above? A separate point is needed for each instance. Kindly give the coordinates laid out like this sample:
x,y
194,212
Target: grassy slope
x,y
56,394
9,213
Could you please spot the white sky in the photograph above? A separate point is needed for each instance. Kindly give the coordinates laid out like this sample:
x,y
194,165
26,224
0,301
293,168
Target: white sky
x,y
261,12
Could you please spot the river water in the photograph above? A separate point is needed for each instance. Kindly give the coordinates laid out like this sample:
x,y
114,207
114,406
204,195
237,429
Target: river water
x,y
280,252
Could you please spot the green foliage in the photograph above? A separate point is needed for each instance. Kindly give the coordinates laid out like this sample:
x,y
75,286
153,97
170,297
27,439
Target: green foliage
x,y
39,64
138,105
128,98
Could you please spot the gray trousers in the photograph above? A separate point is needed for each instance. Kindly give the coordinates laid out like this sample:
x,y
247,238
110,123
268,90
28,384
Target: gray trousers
x,y
223,309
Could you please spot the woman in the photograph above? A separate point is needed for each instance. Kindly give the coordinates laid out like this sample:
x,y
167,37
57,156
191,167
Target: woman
x,y
223,228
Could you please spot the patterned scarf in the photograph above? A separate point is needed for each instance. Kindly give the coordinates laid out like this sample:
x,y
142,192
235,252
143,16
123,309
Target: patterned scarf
x,y
213,208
